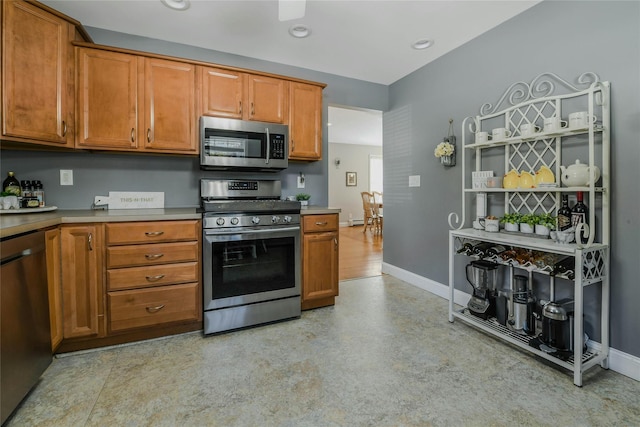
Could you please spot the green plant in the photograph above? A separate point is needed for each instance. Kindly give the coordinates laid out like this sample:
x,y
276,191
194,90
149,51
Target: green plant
x,y
511,218
547,220
302,196
531,219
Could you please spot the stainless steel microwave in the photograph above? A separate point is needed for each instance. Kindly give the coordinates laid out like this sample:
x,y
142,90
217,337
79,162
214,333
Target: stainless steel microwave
x,y
231,144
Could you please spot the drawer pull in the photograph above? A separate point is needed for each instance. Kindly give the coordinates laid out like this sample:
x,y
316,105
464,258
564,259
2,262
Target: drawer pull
x,y
154,278
153,256
154,233
155,309
322,223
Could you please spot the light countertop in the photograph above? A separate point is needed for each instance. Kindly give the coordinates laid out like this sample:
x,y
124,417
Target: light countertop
x,y
318,210
11,224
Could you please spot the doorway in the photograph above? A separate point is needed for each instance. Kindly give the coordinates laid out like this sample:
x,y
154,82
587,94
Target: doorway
x,y
355,165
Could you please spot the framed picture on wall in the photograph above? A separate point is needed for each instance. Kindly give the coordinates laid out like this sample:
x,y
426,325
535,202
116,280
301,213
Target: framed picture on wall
x,y
352,179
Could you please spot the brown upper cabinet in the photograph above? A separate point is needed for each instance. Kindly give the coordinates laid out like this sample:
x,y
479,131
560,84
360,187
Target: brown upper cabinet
x,y
238,95
129,103
37,75
305,122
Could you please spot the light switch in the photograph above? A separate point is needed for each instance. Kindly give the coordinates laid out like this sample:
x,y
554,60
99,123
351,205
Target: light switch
x,y
414,180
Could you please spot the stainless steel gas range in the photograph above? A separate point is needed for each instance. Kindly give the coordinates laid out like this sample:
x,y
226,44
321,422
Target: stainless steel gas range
x,y
251,254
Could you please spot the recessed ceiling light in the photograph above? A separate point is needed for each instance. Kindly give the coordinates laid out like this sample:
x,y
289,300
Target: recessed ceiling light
x,y
299,30
177,4
422,44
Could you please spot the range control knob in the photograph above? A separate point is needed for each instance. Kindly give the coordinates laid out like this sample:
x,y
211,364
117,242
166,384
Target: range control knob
x,y
287,218
255,220
220,221
235,221
275,219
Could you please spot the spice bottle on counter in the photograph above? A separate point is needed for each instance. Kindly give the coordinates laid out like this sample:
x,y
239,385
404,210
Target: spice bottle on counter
x,y
12,185
38,193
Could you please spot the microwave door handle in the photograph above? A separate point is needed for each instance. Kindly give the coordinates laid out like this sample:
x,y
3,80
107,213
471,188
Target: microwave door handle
x,y
268,146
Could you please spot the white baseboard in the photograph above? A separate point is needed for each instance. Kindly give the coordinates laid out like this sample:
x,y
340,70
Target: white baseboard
x,y
623,363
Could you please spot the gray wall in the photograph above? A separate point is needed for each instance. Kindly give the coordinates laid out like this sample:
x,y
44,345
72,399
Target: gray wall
x,y
575,37
99,173
353,158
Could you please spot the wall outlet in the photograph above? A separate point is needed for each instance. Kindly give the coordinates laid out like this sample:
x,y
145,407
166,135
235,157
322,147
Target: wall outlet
x,y
301,181
101,201
414,180
66,177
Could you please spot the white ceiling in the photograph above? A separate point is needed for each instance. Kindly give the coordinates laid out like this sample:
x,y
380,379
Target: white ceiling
x,y
366,40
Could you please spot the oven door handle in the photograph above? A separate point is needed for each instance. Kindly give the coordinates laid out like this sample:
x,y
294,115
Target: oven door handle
x,y
215,232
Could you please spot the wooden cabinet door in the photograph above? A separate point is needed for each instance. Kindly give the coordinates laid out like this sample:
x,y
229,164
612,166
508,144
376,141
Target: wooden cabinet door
x,y
108,96
320,265
222,92
169,113
267,98
54,261
37,79
305,122
82,280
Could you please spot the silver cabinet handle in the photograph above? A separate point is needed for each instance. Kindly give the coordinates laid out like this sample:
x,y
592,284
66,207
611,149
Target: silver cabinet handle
x,y
149,135
268,145
153,256
64,128
253,110
240,102
335,242
154,278
153,233
90,241
322,223
133,134
154,309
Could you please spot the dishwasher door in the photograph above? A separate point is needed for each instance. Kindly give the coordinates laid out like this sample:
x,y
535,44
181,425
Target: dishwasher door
x,y
25,340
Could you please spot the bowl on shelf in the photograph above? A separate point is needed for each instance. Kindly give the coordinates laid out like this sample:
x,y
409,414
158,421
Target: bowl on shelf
x,y
511,179
526,180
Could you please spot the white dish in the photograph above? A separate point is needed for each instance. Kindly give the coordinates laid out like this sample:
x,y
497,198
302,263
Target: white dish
x,y
28,210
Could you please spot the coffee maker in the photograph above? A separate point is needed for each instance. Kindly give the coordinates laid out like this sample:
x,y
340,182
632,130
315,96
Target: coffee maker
x,y
521,317
483,276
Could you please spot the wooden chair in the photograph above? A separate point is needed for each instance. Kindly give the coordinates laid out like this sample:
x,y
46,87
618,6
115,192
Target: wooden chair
x,y
371,215
377,206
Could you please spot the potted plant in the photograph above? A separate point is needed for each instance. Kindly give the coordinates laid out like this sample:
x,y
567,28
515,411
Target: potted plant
x,y
546,222
528,222
511,221
303,198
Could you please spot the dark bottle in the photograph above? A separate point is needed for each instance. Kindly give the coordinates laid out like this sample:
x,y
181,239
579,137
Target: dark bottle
x,y
564,267
495,250
580,214
481,249
38,193
466,249
12,185
564,214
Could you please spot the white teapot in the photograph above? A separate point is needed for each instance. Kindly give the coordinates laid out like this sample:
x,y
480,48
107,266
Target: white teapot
x,y
578,174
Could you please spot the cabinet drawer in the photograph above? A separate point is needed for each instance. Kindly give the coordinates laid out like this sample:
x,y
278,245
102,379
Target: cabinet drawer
x,y
153,306
159,253
151,231
316,223
143,277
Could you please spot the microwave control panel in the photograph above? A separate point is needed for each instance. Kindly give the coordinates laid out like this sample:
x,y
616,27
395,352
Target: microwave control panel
x,y
278,149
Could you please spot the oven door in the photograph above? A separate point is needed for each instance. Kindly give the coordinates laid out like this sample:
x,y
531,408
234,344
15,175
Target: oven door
x,y
247,265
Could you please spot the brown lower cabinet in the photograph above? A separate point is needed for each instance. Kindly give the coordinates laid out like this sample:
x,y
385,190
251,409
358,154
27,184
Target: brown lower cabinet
x,y
319,260
129,281
52,238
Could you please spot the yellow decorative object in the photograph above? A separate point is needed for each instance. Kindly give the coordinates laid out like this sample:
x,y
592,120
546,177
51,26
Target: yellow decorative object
x,y
526,180
511,179
545,176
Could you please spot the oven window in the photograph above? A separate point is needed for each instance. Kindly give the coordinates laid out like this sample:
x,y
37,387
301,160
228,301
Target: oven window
x,y
247,145
252,266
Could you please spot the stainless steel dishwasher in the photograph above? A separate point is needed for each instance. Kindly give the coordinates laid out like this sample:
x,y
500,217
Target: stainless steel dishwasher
x,y
25,343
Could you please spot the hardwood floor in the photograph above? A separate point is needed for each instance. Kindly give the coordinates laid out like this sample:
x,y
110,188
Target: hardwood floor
x,y
360,253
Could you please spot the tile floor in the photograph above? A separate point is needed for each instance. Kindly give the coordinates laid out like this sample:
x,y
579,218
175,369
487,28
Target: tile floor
x,y
384,355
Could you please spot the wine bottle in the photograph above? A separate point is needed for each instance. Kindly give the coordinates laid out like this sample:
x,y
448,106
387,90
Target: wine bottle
x,y
580,214
564,214
466,249
12,185
481,248
495,250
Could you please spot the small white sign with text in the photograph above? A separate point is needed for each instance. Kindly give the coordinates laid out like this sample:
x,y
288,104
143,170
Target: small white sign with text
x,y
136,200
